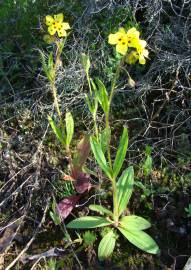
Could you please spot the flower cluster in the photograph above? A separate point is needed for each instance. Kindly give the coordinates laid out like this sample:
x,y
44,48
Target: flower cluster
x,y
56,25
130,39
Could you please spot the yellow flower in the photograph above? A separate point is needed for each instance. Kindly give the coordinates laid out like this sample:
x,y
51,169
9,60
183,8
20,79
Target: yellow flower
x,y
56,24
132,57
132,37
142,52
120,40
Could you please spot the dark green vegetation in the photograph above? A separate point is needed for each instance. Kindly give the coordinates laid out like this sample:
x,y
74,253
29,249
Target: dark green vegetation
x,y
157,113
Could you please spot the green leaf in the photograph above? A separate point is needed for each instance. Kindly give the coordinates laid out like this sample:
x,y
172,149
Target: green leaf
x,y
134,223
99,156
50,61
90,105
93,86
102,95
121,152
88,222
81,154
47,68
100,209
148,150
105,137
54,214
86,62
147,166
69,128
55,217
106,246
125,188
58,132
141,240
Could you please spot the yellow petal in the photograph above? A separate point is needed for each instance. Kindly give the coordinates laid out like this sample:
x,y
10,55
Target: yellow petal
x,y
142,60
122,30
51,30
62,33
142,43
145,53
132,32
132,57
121,48
113,38
59,17
132,42
49,20
65,26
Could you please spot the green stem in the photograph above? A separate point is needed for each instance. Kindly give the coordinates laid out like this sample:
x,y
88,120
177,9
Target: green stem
x,y
59,49
93,114
107,125
115,201
55,97
89,83
113,180
96,128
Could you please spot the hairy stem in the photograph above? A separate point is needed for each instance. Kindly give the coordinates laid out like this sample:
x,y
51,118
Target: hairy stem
x,y
113,180
59,48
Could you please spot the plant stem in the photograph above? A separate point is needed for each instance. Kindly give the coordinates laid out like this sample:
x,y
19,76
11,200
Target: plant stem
x,y
95,127
59,48
54,93
115,200
113,179
93,114
113,85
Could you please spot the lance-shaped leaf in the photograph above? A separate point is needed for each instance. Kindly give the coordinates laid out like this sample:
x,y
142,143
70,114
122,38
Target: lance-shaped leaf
x,y
141,240
105,137
66,206
54,214
134,223
69,128
89,103
86,62
147,166
102,95
81,155
48,68
100,209
121,152
88,222
106,246
57,131
125,188
50,60
99,156
82,183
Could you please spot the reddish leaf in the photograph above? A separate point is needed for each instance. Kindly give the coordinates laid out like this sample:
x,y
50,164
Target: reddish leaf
x,y
82,153
82,183
66,206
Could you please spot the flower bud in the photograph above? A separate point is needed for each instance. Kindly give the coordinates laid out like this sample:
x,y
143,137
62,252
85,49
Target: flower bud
x,y
131,82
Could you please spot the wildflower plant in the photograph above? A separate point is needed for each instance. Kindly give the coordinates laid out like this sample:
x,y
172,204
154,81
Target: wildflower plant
x,y
57,36
132,227
132,49
64,129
